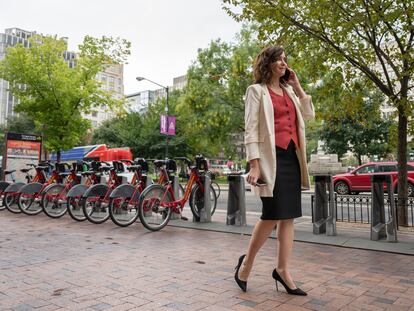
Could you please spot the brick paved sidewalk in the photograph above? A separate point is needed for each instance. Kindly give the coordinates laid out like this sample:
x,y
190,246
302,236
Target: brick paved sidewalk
x,y
48,264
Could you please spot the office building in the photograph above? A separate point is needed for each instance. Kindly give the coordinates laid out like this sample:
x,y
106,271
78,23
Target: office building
x,y
111,78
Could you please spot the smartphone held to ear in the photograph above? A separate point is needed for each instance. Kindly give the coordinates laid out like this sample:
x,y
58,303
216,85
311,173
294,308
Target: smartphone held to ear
x,y
286,76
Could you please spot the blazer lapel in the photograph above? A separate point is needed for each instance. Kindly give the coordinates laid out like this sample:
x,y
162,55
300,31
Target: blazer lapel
x,y
268,108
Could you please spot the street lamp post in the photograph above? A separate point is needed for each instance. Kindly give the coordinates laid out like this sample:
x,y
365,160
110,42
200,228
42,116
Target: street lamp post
x,y
166,108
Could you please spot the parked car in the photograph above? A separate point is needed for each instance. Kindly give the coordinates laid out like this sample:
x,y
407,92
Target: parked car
x,y
359,179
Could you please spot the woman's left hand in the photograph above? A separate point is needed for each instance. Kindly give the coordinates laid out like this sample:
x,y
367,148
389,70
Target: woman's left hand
x,y
293,79
294,82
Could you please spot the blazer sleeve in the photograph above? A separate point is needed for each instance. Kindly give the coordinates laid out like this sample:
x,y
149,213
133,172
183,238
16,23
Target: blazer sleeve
x,y
251,120
306,107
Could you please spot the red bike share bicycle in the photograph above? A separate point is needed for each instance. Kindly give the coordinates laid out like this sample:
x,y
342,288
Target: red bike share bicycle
x,y
158,202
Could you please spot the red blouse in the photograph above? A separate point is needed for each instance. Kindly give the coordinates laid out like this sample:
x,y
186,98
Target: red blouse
x,y
285,120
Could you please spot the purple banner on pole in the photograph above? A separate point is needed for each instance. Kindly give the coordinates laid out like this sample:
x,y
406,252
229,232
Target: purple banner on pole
x,y
171,125
163,124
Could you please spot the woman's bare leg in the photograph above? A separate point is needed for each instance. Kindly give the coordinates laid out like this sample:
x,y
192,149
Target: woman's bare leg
x,y
261,232
285,236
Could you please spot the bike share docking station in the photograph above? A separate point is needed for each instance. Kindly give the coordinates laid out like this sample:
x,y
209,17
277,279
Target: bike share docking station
x,y
176,187
205,211
324,213
203,202
381,229
236,202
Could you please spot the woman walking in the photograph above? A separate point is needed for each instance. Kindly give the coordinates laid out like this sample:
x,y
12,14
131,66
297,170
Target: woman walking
x,y
276,107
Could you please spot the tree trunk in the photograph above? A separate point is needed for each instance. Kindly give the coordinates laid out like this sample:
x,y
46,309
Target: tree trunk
x,y
402,206
58,155
359,160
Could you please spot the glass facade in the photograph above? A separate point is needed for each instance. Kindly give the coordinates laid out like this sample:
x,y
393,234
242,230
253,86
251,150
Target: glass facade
x,y
111,78
10,37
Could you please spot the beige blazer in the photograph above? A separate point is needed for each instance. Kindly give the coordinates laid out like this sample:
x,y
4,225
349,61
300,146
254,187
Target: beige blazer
x,y
260,134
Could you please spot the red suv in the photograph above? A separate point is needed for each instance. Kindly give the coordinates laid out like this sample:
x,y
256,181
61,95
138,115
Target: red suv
x,y
359,179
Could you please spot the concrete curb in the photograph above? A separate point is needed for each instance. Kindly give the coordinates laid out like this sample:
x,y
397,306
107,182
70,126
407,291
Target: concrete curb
x,y
356,238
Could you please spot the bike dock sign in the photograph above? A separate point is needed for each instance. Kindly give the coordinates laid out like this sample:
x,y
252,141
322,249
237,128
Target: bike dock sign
x,y
20,150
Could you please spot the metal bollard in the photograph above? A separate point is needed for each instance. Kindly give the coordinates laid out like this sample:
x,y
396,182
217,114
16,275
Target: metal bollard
x,y
205,212
175,185
148,181
379,228
236,202
324,208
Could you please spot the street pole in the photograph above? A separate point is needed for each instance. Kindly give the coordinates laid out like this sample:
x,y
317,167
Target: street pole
x,y
168,125
166,88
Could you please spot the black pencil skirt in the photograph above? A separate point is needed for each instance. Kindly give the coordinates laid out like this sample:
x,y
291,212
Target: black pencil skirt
x,y
286,201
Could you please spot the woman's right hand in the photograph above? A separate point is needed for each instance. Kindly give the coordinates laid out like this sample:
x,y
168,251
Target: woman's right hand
x,y
254,173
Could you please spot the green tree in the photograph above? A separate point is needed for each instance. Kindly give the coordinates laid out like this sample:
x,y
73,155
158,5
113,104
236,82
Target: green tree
x,y
373,38
212,106
363,133
54,93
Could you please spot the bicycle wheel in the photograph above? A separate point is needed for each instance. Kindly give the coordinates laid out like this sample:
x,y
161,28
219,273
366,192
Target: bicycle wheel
x,y
152,211
197,201
216,188
2,204
54,201
123,212
29,204
75,209
10,201
95,209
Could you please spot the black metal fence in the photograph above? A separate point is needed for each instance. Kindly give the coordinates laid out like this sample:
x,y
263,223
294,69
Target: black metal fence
x,y
357,208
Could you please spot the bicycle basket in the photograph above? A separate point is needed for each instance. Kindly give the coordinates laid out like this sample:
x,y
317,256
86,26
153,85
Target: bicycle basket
x,y
144,165
171,166
118,167
60,167
77,167
201,163
95,166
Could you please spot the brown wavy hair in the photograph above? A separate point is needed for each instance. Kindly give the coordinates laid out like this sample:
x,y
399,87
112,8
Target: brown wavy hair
x,y
262,68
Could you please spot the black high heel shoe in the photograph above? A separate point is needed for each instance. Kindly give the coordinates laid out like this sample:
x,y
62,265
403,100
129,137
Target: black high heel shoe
x,y
242,284
296,291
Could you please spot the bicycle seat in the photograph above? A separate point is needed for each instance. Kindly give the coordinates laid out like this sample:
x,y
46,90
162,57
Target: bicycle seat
x,y
25,170
9,172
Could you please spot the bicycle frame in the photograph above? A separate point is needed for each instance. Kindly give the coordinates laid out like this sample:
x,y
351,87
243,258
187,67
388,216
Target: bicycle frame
x,y
139,182
112,184
71,181
177,205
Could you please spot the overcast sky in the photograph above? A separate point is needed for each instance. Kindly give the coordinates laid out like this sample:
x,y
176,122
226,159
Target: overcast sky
x,y
165,34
